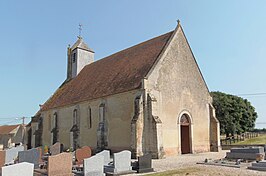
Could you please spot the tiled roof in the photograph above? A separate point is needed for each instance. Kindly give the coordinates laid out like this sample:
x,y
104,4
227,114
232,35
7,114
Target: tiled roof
x,y
117,73
81,44
6,129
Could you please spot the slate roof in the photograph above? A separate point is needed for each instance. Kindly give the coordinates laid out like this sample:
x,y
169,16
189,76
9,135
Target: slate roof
x,y
7,129
117,73
81,44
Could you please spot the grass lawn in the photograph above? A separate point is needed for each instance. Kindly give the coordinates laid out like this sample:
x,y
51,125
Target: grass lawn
x,y
257,140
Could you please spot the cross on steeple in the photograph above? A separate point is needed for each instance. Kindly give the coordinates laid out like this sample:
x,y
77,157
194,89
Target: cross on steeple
x,y
80,29
178,22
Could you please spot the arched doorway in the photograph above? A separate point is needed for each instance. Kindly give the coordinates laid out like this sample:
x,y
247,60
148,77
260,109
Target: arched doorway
x,y
185,134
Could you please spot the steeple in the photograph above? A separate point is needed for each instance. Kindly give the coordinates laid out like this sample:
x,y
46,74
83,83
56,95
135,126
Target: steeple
x,y
79,55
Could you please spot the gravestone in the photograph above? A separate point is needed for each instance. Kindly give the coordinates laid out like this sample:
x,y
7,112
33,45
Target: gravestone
x,y
121,164
40,149
93,166
20,169
82,153
248,150
145,163
56,148
247,153
1,147
260,166
2,158
12,154
30,156
59,165
106,156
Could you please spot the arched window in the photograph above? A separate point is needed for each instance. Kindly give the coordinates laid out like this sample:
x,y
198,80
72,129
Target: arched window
x,y
75,130
75,117
55,121
102,112
55,131
40,123
89,117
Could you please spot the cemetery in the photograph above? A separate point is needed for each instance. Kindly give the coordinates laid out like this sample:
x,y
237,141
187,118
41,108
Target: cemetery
x,y
53,161
56,161
242,157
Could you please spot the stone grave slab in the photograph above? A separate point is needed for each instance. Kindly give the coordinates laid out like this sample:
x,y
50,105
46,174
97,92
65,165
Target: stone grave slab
x,y
41,153
245,156
247,153
30,156
106,156
145,163
56,148
121,164
2,158
20,169
260,166
59,165
224,163
12,154
82,153
93,166
248,150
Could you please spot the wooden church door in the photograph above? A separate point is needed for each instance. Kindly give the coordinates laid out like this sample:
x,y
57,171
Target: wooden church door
x,y
185,135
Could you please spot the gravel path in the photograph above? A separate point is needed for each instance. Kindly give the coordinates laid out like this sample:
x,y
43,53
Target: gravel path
x,y
190,160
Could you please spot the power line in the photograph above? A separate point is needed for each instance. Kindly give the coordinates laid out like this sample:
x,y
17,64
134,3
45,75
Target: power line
x,y
13,119
253,94
8,122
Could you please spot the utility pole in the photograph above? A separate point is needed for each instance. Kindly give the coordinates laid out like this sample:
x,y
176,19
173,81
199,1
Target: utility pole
x,y
23,120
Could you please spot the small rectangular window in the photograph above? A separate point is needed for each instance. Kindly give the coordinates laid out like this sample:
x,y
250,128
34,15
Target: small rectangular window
x,y
74,57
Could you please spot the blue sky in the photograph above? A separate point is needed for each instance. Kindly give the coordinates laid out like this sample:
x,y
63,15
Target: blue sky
x,y
228,39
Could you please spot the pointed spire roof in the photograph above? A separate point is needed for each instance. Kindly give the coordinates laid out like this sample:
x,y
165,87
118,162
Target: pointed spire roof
x,y
81,44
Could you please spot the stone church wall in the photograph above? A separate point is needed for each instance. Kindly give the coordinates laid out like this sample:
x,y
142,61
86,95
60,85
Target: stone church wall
x,y
178,87
119,110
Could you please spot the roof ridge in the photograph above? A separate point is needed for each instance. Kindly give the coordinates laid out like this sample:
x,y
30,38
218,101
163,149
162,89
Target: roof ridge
x,y
123,50
119,72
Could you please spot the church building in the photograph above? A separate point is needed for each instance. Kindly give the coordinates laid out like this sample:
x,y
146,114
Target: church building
x,y
149,98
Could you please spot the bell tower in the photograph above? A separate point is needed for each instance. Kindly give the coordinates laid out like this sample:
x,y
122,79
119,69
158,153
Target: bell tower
x,y
78,56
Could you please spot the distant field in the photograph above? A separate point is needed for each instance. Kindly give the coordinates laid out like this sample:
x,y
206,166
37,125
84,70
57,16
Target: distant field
x,y
257,140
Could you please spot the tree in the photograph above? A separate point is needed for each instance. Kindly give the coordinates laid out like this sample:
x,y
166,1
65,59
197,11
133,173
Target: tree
x,y
236,115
